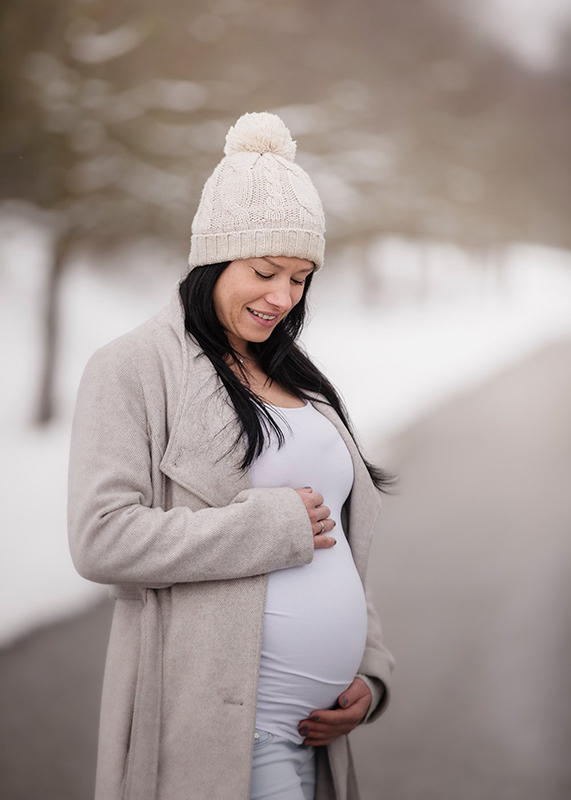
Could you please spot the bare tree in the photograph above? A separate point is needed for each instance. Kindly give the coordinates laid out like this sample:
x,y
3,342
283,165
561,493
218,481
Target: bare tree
x,y
114,114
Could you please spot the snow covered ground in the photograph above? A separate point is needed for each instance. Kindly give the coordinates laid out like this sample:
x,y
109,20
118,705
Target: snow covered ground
x,y
444,323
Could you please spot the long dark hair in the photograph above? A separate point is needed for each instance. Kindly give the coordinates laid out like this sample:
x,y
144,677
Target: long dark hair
x,y
280,357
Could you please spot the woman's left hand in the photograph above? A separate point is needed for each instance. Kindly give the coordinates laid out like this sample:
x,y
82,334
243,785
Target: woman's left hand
x,y
325,725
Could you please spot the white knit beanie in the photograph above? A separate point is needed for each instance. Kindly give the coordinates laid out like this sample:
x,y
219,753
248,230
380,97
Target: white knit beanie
x,y
258,202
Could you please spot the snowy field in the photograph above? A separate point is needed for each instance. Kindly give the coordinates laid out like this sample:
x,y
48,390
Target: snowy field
x,y
444,323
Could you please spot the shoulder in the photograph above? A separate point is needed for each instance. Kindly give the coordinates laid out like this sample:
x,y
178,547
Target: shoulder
x,y
150,360
127,353
147,348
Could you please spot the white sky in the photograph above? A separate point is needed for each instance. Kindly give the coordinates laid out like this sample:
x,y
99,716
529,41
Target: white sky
x,y
529,29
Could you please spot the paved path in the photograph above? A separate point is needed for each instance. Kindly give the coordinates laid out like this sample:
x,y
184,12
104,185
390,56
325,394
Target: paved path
x,y
50,687
471,570
472,576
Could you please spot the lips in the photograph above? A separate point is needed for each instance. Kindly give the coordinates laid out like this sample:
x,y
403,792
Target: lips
x,y
257,317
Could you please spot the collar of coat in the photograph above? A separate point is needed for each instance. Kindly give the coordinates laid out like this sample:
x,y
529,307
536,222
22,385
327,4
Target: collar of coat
x,y
199,453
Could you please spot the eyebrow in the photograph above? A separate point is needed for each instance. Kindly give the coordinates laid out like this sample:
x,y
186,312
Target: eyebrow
x,y
279,266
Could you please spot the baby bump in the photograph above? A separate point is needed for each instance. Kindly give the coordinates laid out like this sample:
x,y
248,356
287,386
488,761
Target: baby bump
x,y
315,628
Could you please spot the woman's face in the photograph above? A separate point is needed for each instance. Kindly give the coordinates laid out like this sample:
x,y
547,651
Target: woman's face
x,y
254,294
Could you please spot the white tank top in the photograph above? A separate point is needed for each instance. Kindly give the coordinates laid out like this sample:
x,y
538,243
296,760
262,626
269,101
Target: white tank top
x,y
315,622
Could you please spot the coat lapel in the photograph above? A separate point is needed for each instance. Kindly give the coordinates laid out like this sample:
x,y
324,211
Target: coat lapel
x,y
199,454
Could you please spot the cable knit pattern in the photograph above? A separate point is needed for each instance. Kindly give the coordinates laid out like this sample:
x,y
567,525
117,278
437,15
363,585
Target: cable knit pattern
x,y
234,192
305,196
275,202
258,201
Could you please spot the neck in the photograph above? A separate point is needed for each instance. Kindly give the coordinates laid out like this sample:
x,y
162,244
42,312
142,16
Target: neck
x,y
239,346
242,359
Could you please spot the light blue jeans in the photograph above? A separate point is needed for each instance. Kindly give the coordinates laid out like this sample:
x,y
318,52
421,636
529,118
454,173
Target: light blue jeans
x,y
282,770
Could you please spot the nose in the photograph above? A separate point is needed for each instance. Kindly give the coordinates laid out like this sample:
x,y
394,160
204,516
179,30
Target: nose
x,y
281,296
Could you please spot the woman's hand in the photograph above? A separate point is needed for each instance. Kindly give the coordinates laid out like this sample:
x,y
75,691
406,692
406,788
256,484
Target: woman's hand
x,y
323,726
318,513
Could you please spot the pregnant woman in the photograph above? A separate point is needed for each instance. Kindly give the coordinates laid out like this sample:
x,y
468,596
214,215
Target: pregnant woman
x,y
215,484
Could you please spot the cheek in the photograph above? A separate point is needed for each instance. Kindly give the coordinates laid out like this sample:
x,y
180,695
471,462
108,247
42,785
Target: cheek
x,y
231,311
223,300
218,307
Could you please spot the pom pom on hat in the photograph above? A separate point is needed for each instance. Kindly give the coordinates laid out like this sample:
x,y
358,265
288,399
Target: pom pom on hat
x,y
260,133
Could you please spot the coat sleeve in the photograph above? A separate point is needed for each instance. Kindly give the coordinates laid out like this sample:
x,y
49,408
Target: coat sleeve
x,y
377,664
117,537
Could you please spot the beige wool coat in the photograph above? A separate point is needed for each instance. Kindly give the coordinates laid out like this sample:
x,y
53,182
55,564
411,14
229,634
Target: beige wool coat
x,y
159,510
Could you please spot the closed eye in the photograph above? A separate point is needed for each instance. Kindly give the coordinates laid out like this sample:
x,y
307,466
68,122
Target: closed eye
x,y
267,278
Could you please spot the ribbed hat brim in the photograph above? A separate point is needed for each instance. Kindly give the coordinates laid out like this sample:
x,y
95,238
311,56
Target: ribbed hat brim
x,y
214,248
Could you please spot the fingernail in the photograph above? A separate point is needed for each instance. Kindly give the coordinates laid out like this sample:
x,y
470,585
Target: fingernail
x,y
344,700
304,730
334,523
334,541
314,716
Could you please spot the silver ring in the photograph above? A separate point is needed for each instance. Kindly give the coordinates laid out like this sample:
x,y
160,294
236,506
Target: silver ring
x,y
322,526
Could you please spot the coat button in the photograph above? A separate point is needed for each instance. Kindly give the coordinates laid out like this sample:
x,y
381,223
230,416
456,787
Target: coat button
x,y
256,736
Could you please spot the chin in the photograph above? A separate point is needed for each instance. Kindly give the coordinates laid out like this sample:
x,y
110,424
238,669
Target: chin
x,y
260,337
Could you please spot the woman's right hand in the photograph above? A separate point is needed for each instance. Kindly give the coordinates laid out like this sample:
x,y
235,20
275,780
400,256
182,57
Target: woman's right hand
x,y
317,513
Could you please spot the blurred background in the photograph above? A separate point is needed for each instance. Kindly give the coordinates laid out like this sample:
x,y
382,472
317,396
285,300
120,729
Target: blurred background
x,y
438,133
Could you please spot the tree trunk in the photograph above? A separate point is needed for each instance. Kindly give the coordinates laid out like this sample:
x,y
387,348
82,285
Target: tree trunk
x,y
370,276
45,408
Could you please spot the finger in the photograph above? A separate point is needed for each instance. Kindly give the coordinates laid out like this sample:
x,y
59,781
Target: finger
x,y
328,716
317,499
356,691
348,722
336,716
310,740
322,542
315,728
326,519
322,512
330,732
352,716
327,527
320,736
320,742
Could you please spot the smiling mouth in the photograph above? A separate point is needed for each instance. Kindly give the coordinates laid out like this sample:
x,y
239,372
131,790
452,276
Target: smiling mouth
x,y
265,317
